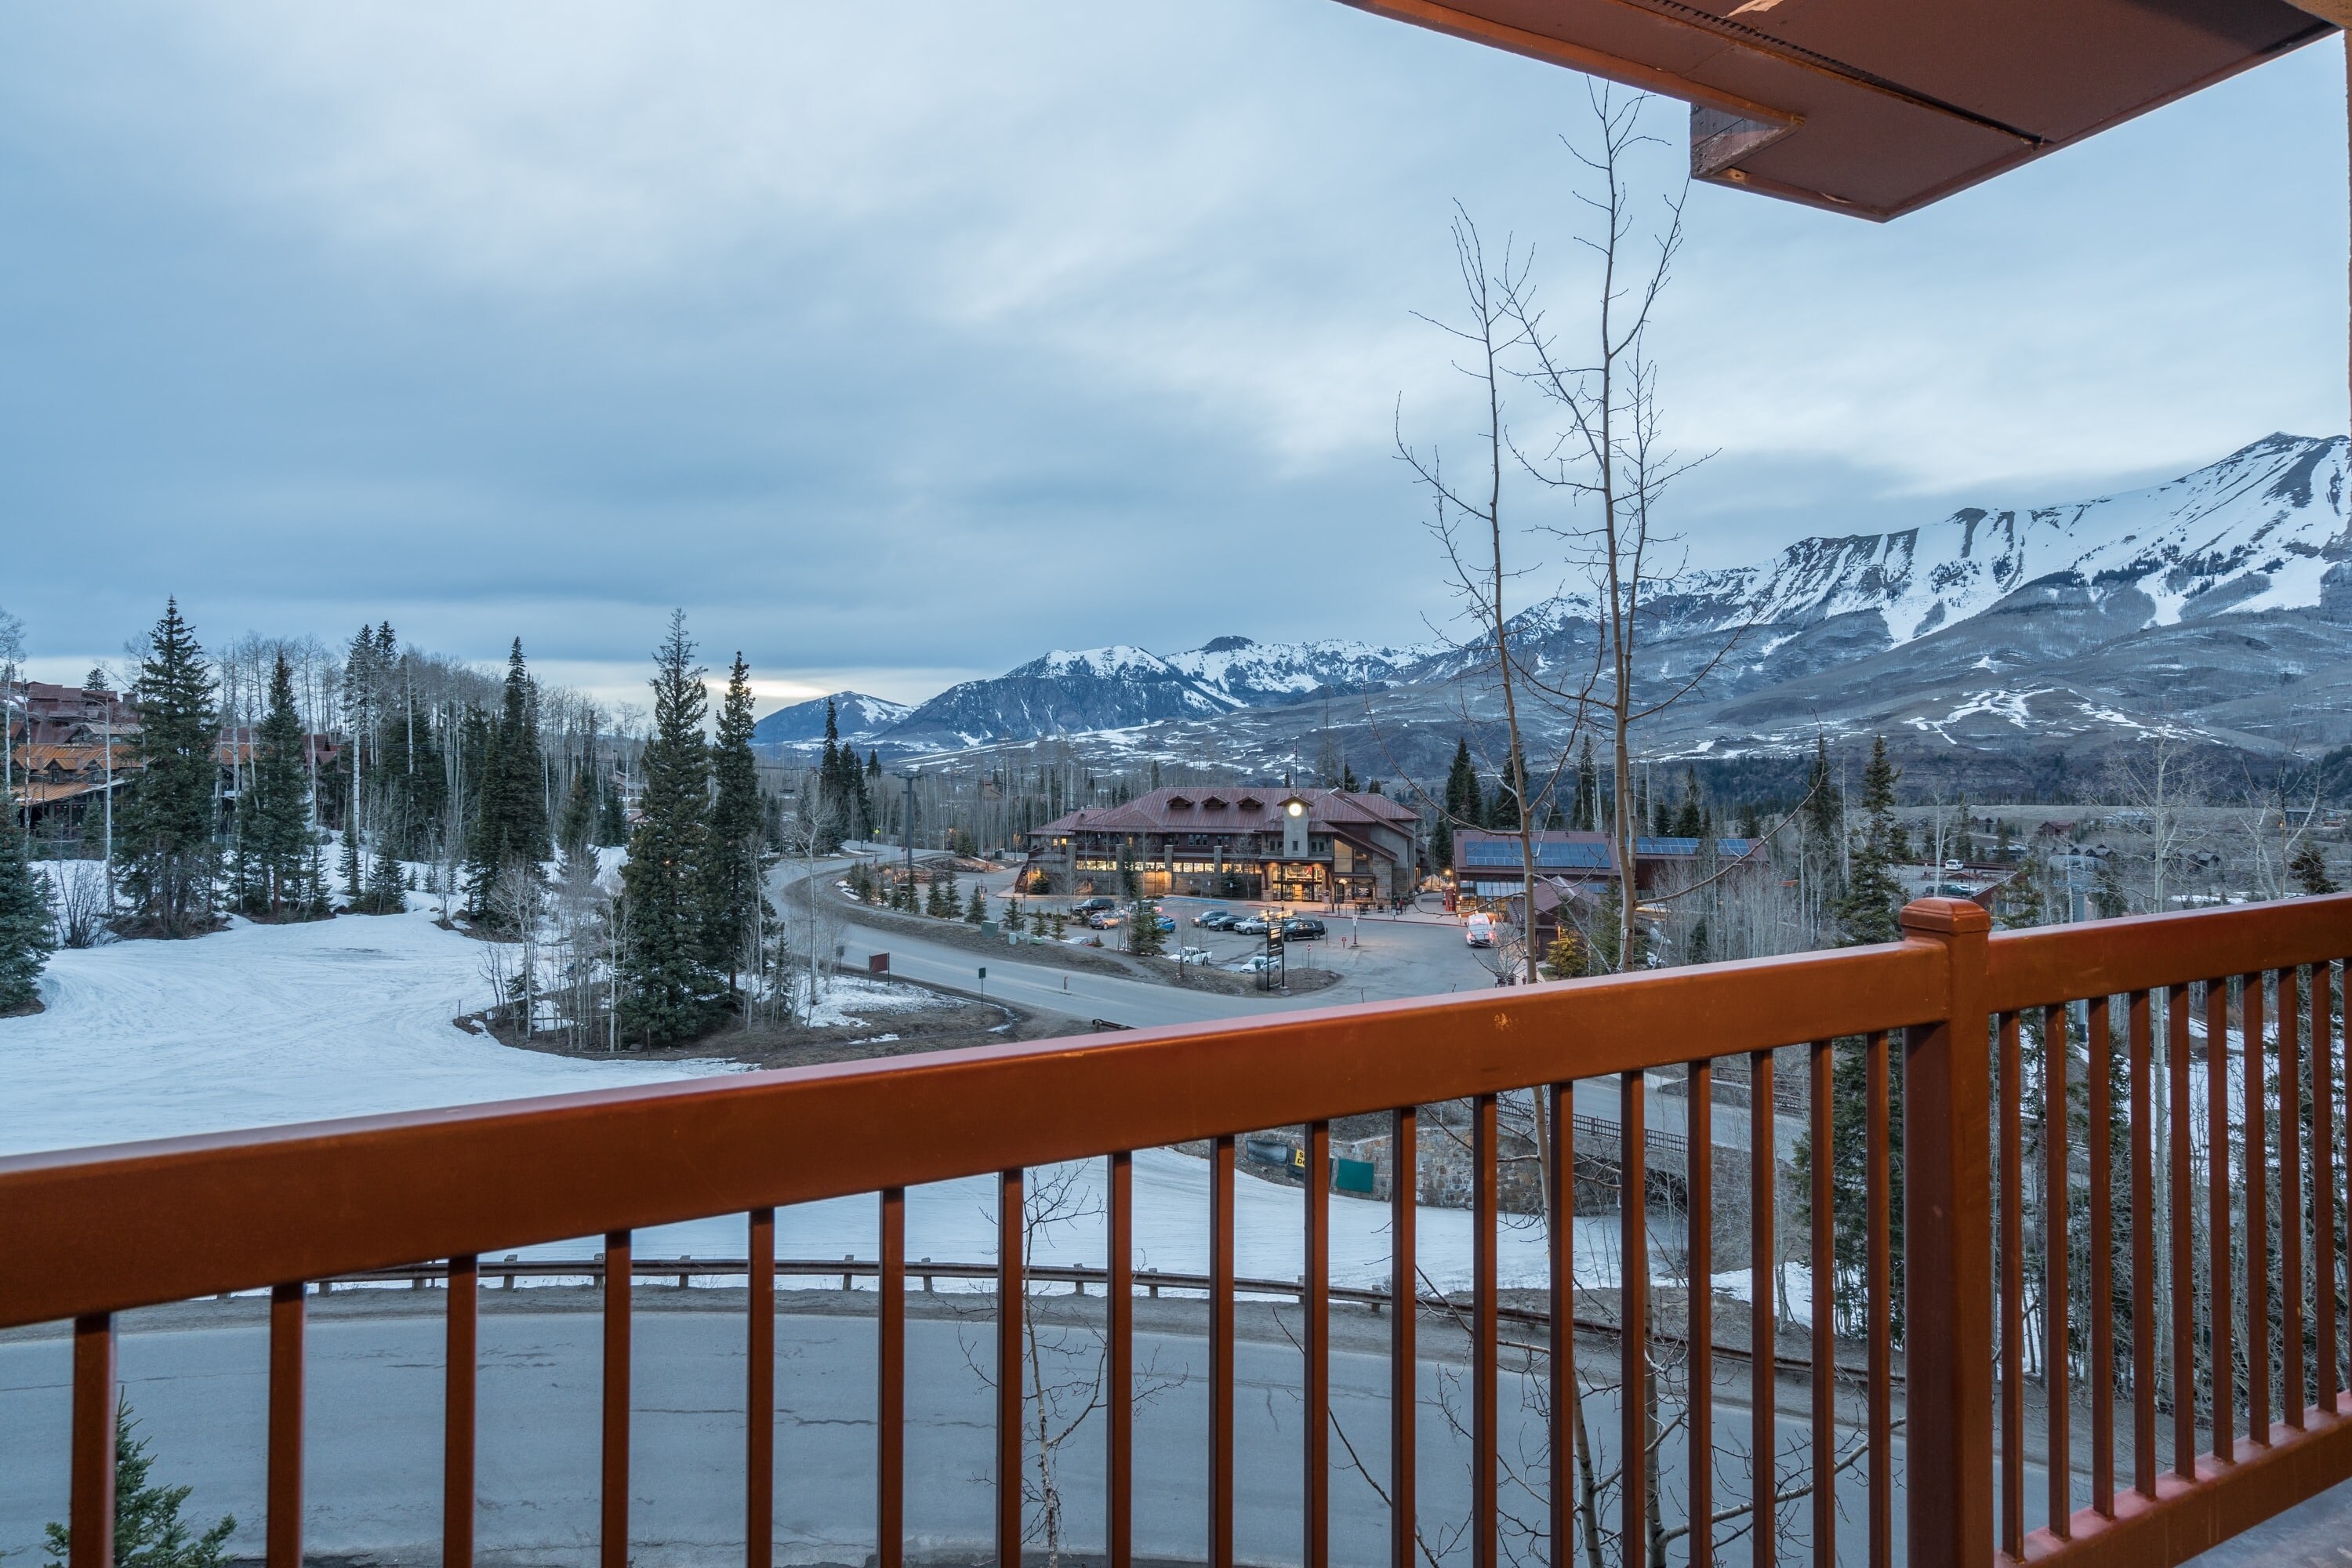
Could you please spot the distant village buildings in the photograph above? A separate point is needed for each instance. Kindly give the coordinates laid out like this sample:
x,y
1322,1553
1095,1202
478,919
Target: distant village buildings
x,y
67,745
1315,846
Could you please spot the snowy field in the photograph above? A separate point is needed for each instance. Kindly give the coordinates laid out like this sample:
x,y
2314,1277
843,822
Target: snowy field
x,y
260,1025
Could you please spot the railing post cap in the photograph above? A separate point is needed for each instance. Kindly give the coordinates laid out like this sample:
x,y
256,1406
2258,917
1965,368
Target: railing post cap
x,y
1946,917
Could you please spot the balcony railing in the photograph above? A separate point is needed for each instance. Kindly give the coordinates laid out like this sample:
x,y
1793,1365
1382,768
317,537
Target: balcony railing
x,y
2176,1080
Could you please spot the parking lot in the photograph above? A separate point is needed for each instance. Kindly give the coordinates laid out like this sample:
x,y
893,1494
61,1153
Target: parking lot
x,y
1378,956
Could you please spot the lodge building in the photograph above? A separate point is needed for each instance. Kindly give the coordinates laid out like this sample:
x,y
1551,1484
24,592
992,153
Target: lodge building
x,y
1317,845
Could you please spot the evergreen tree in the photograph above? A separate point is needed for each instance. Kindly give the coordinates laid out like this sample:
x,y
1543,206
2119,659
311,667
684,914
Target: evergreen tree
x,y
388,888
977,911
2309,868
1143,935
273,814
1463,807
27,933
1869,911
1690,819
148,1530
669,990
1585,813
510,822
738,839
612,815
575,833
166,838
943,890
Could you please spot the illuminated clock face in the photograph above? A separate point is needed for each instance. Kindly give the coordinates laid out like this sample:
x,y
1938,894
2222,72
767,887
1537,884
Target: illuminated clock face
x,y
1296,809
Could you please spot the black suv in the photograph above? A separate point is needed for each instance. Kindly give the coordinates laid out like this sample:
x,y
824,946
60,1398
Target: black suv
x,y
1303,929
1088,906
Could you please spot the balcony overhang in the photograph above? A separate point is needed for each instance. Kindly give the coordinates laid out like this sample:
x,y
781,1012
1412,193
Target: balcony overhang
x,y
1875,107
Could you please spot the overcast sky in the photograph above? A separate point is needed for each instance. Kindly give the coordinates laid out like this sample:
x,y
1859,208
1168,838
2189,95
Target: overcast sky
x,y
901,343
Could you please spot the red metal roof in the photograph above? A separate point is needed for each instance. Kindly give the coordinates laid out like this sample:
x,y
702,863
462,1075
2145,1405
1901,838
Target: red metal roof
x,y
1243,811
1878,107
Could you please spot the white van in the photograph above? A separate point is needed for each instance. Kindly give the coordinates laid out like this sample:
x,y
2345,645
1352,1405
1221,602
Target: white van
x,y
1480,932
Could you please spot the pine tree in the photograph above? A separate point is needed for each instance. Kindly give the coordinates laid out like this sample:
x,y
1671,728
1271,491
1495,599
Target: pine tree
x,y
612,816
943,887
669,989
166,835
1585,813
28,933
1143,936
388,888
273,814
1462,806
976,911
1690,819
148,1530
738,841
510,822
2309,868
1868,912
575,833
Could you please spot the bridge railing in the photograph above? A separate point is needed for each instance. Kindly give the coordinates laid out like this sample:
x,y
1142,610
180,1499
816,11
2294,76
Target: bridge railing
x,y
2178,1331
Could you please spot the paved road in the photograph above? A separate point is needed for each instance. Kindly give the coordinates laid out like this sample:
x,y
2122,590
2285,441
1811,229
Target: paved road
x,y
373,1436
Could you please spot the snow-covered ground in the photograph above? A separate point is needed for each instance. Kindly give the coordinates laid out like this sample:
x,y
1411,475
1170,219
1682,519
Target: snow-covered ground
x,y
259,1024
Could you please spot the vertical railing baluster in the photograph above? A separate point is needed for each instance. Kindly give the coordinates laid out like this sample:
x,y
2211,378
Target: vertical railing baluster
x,y
759,1393
2099,1044
1012,1306
1698,1180
2184,1236
2013,1290
1878,1149
890,1384
1763,1325
1559,1247
1315,1345
282,1546
2057,1205
2323,1185
614,1520
1486,1425
457,1415
91,1505
1404,1352
1221,1352
2254,1047
1119,1358
1633,1316
2218,1227
2141,1065
2290,1166
1947,1233
1823,1064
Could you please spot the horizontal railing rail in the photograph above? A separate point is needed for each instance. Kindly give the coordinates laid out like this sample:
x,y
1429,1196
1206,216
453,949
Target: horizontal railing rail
x,y
1914,1060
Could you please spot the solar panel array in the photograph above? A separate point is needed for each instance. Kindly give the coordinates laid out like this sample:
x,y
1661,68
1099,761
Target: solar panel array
x,y
1549,855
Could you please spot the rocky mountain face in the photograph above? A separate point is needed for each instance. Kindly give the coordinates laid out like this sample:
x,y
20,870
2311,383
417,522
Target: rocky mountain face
x,y
2219,604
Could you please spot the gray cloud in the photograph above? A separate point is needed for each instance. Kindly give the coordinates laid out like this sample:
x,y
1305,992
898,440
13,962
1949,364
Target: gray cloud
x,y
919,345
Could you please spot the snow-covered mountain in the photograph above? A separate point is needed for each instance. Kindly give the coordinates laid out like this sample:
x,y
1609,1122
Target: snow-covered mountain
x,y
857,716
1065,693
2219,598
1254,674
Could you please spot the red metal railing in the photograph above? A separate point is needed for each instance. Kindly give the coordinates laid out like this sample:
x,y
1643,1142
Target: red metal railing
x,y
88,1234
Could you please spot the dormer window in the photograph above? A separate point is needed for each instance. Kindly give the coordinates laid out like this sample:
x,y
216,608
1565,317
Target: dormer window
x,y
1252,803
1177,803
1214,803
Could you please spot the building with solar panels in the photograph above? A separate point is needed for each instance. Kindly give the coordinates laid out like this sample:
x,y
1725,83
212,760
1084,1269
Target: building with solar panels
x,y
1487,868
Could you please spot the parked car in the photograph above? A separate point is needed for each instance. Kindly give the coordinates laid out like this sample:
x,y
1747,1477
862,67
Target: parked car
x,y
1166,923
1103,919
1304,928
1248,925
1194,955
1215,920
1088,906
1256,963
1480,932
